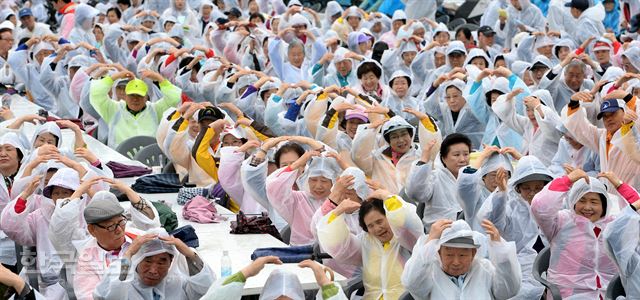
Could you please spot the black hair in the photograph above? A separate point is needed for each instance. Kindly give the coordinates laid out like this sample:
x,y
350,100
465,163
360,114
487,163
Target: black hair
x,y
487,96
378,49
466,32
257,15
450,140
603,201
23,40
20,155
286,148
116,10
367,67
185,62
372,204
125,2
3,30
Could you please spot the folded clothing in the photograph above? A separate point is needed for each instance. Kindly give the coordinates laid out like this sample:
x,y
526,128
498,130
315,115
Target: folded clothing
x,y
157,183
121,170
287,255
201,210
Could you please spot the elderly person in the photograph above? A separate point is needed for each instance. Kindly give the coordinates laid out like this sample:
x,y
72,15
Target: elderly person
x,y
103,238
444,264
567,78
149,269
135,115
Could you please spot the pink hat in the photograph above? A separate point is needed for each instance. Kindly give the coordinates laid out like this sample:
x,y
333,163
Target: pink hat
x,y
357,113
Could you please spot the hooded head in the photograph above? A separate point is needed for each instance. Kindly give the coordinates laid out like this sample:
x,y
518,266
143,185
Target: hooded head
x,y
343,65
12,152
400,83
490,167
453,94
399,134
41,50
540,66
478,58
152,263
359,191
529,177
456,54
282,283
562,48
458,246
369,72
631,60
332,12
589,200
84,15
47,133
498,86
319,176
62,184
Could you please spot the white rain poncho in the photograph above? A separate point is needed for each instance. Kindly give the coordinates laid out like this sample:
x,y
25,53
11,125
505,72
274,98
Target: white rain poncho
x,y
7,246
280,283
185,16
333,8
433,184
472,190
83,26
454,46
495,278
478,99
578,257
472,70
633,54
620,157
30,228
381,263
511,214
554,81
177,284
397,104
621,241
541,142
466,123
373,154
327,75
530,16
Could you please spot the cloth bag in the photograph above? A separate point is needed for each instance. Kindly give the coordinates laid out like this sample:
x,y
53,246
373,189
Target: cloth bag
x,y
121,170
255,224
201,210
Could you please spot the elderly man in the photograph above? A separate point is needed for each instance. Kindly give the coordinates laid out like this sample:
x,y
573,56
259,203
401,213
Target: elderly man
x,y
616,144
30,27
135,115
104,238
148,270
572,79
444,264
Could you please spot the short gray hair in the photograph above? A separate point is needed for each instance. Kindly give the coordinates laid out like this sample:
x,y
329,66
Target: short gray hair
x,y
576,64
296,43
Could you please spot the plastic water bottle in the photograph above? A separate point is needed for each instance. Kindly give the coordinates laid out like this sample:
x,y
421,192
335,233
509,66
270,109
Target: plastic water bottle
x,y
225,264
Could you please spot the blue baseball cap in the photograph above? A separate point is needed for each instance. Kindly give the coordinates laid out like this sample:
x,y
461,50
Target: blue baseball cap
x,y
25,12
611,105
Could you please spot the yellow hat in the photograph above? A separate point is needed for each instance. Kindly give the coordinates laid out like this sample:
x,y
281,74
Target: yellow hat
x,y
136,87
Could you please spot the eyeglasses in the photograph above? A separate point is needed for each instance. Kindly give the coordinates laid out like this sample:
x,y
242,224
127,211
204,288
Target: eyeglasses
x,y
113,227
10,40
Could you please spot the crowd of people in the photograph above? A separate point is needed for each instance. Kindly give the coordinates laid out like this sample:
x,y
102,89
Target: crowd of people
x,y
423,159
